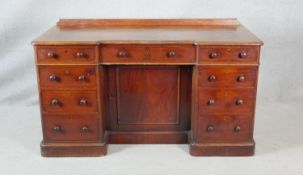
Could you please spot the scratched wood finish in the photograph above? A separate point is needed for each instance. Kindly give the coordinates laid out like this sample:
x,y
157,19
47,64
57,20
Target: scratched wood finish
x,y
147,81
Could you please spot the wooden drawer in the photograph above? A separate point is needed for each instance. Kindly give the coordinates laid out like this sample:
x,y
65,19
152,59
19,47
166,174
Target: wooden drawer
x,y
68,101
67,76
224,128
71,127
214,101
234,76
221,54
148,54
66,55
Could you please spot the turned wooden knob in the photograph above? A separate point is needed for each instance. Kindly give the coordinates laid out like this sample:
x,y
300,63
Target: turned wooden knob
x,y
212,78
84,129
83,102
171,54
80,54
57,129
52,78
210,128
242,54
81,78
51,55
213,55
55,102
211,102
239,102
237,128
122,54
241,78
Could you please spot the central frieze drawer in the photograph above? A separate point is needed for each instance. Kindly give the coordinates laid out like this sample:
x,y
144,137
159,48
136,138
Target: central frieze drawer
x,y
116,54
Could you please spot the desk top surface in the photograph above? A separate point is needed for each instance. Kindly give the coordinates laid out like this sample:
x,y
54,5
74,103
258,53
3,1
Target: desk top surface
x,y
152,31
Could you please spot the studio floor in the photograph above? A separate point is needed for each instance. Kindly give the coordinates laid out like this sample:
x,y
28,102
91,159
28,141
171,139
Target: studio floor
x,y
278,136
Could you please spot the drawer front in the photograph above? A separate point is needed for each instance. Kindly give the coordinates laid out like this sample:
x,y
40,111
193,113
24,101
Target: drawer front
x,y
67,77
68,101
70,127
66,55
148,54
216,101
217,76
223,128
237,55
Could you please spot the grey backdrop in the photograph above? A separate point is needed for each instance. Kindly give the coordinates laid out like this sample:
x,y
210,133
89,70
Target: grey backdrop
x,y
279,23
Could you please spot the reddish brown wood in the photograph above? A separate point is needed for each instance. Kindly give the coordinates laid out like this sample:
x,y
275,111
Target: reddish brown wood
x,y
147,81
73,149
66,55
229,54
211,32
71,127
67,77
225,100
234,128
101,102
137,93
68,101
140,94
150,137
140,54
149,23
222,149
231,76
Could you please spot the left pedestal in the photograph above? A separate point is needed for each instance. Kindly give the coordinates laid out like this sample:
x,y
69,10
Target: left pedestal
x,y
71,96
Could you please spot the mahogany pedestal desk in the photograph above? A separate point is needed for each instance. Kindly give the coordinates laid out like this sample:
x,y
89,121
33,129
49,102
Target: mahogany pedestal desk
x,y
176,81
